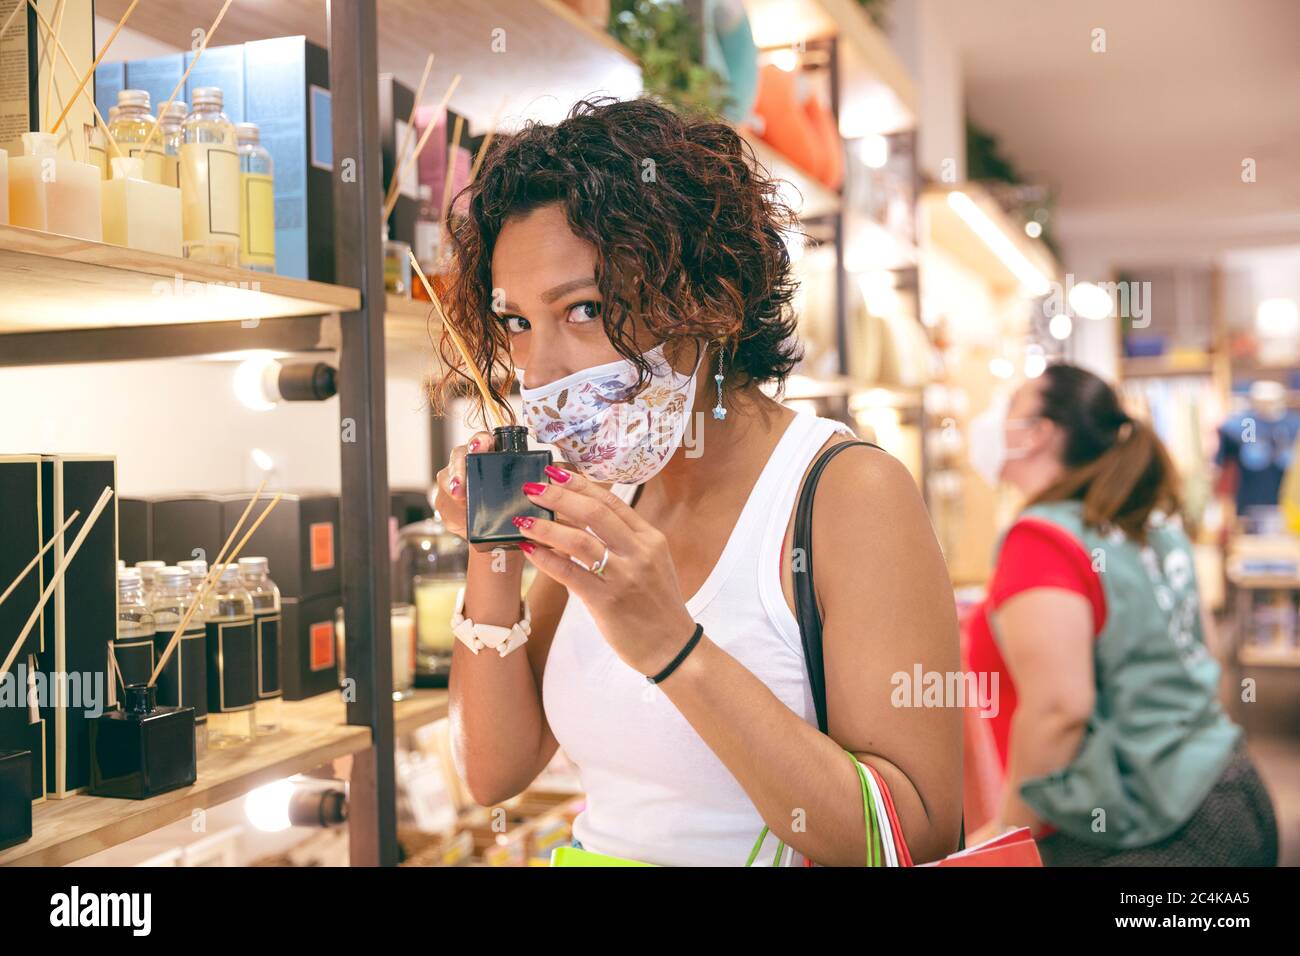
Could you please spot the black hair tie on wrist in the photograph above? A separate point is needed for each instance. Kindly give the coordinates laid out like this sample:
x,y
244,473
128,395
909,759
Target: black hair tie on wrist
x,y
681,656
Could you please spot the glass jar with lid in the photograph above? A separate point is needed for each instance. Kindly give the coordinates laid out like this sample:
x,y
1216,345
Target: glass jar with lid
x,y
430,569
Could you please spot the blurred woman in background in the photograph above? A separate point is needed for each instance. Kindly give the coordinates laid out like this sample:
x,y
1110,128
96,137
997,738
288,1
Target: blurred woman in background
x,y
1114,745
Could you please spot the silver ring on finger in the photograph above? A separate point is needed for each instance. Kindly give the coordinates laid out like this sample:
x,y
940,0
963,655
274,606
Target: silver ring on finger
x,y
599,567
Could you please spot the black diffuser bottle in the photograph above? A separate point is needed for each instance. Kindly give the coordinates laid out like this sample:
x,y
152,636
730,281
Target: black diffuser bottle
x,y
142,749
493,488
15,797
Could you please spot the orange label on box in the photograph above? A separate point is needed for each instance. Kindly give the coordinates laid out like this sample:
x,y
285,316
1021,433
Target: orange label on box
x,y
322,546
321,638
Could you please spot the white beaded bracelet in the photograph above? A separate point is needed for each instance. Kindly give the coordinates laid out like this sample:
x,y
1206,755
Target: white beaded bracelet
x,y
478,636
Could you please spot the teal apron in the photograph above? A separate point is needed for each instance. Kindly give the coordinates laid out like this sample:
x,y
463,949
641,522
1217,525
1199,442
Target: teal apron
x,y
1157,740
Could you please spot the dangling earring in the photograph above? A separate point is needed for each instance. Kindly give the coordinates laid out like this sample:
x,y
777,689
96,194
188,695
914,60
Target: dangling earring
x,y
718,411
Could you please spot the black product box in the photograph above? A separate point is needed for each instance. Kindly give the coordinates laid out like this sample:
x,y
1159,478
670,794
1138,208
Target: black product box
x,y
409,505
308,646
299,539
21,727
80,619
135,530
186,527
395,104
15,797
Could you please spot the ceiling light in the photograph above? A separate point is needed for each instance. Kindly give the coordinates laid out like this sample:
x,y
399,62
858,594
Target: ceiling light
x,y
1033,229
1060,327
874,150
1277,318
1090,301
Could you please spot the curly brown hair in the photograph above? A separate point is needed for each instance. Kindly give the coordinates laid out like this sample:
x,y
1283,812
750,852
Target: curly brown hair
x,y
687,227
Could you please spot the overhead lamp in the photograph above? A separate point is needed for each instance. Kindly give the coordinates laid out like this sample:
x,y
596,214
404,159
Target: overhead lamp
x,y
297,802
1090,301
1033,229
999,242
1060,326
261,382
1277,318
874,150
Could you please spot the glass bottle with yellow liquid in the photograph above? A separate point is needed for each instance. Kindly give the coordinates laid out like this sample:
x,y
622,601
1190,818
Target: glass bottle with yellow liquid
x,y
162,160
210,181
132,124
232,662
256,201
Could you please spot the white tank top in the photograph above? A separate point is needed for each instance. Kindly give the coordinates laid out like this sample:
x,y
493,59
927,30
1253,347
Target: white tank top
x,y
655,791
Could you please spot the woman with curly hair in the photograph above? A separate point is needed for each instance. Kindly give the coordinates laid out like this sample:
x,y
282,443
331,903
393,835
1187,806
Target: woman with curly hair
x,y
628,264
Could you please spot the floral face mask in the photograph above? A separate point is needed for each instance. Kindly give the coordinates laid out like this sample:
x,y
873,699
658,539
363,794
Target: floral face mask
x,y
602,429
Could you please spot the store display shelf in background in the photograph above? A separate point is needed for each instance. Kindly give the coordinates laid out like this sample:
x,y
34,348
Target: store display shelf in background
x,y
539,53
1006,256
55,283
313,733
808,198
877,94
1160,366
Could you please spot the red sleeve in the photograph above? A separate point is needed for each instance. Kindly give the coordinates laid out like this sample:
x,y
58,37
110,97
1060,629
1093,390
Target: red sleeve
x,y
1038,554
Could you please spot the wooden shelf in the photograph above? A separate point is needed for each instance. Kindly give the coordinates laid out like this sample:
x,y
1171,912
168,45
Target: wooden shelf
x,y
1161,366
55,283
1269,656
313,733
539,53
877,93
944,227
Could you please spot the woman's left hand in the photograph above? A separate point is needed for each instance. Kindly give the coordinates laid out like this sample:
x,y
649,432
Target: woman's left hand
x,y
635,600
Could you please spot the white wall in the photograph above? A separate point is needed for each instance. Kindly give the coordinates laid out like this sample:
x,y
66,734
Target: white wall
x,y
176,425
921,39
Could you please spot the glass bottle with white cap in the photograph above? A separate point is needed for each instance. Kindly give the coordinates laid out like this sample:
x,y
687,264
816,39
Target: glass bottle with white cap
x,y
133,646
232,661
184,681
210,181
254,573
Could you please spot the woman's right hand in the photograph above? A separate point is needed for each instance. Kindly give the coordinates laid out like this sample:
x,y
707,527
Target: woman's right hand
x,y
450,500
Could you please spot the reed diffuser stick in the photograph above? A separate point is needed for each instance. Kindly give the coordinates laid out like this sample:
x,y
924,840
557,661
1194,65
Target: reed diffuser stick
x,y
488,403
203,585
12,17
487,141
112,659
207,38
45,24
419,146
91,72
59,9
39,554
449,176
71,553
410,126
208,584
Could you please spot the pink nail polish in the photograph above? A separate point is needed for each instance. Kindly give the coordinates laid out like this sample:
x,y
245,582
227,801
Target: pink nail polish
x,y
533,488
526,547
473,446
559,474
522,521
455,483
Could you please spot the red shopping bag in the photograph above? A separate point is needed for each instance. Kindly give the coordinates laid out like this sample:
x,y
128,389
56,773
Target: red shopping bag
x,y
1014,848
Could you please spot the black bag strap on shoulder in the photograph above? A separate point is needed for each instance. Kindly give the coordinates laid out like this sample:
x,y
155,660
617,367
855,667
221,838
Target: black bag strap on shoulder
x,y
805,597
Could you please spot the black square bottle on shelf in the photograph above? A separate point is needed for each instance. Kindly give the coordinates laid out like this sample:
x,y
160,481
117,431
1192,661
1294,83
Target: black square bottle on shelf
x,y
21,727
15,797
493,488
142,749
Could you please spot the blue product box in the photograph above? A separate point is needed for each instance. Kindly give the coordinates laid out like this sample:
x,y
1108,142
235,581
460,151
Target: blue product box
x,y
286,93
158,75
222,67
